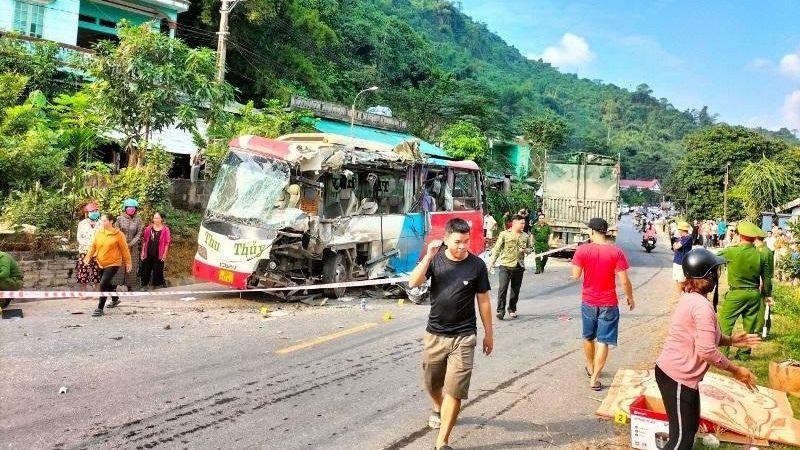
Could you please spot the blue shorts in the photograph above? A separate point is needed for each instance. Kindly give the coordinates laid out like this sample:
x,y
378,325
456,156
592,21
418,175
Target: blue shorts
x,y
601,323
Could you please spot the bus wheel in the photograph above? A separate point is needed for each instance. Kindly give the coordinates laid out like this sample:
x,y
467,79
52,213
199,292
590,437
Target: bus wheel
x,y
334,270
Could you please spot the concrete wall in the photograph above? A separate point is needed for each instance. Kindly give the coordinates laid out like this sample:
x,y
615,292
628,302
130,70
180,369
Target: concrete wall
x,y
56,270
184,194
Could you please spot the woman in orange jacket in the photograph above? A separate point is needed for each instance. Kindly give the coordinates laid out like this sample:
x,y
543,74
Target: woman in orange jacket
x,y
111,252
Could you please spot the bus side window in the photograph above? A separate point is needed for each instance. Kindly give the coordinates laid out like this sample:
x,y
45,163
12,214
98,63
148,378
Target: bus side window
x,y
465,195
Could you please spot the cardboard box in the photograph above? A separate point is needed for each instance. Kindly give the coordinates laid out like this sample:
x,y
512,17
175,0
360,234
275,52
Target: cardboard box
x,y
650,426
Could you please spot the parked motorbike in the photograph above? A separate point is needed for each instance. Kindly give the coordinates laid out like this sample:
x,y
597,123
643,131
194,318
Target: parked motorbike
x,y
649,244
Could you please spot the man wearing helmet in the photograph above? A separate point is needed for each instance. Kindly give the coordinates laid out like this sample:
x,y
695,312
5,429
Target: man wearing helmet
x,y
749,281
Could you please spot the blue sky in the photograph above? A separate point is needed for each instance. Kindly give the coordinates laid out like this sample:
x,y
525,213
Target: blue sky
x,y
739,57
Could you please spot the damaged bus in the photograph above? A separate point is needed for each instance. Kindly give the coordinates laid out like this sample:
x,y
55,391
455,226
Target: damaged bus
x,y
317,208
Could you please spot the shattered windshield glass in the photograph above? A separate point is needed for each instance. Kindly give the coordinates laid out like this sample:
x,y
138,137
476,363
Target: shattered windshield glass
x,y
247,188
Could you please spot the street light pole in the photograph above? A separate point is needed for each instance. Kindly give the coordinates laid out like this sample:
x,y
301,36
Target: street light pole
x,y
353,108
725,194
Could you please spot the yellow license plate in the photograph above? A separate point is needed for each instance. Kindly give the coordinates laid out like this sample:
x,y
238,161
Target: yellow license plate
x,y
226,276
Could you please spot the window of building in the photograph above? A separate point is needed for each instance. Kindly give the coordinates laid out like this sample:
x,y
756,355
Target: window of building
x,y
29,19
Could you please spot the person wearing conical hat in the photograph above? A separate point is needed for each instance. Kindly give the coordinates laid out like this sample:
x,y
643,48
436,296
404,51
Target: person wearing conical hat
x,y
749,284
681,248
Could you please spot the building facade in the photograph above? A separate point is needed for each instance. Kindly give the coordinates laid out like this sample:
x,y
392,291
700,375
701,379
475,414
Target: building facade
x,y
81,23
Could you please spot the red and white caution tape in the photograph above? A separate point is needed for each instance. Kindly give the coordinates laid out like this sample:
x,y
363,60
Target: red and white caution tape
x,y
73,293
556,250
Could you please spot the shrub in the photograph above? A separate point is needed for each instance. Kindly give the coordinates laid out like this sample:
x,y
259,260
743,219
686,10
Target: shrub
x,y
43,208
148,184
790,266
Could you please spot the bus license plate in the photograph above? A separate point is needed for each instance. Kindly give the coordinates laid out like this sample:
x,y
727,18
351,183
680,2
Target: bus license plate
x,y
226,276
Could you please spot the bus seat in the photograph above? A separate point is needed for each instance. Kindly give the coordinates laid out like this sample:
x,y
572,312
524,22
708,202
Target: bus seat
x,y
394,205
348,201
293,192
280,202
368,206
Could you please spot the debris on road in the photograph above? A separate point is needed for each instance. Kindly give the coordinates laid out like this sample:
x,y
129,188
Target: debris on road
x,y
387,316
264,311
167,327
77,325
63,390
710,441
116,338
188,299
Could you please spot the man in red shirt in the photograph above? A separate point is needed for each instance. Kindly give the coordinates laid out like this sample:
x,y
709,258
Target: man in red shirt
x,y
600,263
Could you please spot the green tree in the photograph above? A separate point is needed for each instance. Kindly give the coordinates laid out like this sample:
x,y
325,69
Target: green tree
x,y
28,151
464,140
697,182
37,61
148,81
763,185
544,133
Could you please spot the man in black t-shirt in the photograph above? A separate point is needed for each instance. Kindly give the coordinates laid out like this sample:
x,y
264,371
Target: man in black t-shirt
x,y
457,279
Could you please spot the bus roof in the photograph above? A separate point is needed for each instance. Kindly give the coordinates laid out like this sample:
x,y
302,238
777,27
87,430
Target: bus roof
x,y
306,148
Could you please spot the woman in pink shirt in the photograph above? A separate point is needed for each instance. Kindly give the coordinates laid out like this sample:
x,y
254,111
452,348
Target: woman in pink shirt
x,y
691,346
155,245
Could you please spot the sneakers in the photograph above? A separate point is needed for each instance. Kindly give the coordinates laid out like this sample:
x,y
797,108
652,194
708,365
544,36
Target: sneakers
x,y
113,303
97,312
513,314
435,420
501,314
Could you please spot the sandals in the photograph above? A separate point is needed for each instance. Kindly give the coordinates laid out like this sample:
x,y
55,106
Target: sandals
x,y
513,314
113,303
597,387
97,312
588,374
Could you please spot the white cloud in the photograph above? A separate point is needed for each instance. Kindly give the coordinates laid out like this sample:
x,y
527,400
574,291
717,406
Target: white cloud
x,y
790,65
572,51
791,110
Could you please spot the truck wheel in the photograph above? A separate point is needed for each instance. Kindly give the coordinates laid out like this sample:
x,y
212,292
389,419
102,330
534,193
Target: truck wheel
x,y
334,270
6,302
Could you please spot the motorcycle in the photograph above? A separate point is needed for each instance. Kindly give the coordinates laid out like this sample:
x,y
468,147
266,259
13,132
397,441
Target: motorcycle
x,y
649,243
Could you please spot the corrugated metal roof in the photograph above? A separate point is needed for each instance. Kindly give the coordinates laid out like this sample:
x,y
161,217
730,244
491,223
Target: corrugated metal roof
x,y
392,138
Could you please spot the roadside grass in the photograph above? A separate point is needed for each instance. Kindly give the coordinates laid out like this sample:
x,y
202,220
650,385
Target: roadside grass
x,y
782,343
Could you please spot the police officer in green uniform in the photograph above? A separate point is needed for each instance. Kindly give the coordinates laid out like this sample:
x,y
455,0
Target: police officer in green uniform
x,y
10,276
541,235
749,284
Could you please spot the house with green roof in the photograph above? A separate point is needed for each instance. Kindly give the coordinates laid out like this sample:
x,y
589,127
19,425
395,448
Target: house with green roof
x,y
81,23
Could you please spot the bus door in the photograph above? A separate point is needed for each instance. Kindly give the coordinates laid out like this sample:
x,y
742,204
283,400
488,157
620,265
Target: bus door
x,y
459,197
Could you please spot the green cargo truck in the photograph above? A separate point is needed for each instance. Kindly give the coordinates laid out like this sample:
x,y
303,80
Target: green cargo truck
x,y
576,188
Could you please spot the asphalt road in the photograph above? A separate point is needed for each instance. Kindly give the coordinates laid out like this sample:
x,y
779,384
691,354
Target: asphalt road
x,y
214,373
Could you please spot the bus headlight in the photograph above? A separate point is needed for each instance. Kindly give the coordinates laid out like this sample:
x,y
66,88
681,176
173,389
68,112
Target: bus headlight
x,y
272,265
202,252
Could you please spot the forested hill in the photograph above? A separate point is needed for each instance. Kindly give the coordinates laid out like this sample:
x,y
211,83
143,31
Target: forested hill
x,y
435,66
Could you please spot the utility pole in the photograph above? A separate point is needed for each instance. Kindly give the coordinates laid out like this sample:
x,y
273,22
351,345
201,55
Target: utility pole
x,y
222,36
725,194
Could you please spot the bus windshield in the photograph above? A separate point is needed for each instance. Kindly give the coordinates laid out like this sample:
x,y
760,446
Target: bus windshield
x,y
247,188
